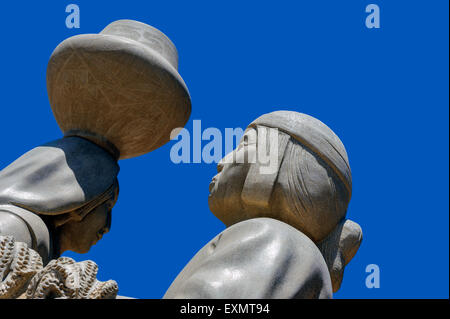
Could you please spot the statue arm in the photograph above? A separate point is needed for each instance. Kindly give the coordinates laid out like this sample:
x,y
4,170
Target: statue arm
x,y
26,227
14,226
23,275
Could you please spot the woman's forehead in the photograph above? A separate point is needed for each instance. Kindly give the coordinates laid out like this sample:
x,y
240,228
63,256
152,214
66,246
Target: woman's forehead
x,y
116,192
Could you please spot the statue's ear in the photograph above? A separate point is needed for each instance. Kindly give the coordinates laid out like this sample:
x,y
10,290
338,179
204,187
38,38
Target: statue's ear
x,y
339,247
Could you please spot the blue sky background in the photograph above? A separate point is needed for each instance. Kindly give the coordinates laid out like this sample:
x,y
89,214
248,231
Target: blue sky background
x,y
383,91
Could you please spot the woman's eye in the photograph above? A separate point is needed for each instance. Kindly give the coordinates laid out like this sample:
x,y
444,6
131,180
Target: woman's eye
x,y
243,143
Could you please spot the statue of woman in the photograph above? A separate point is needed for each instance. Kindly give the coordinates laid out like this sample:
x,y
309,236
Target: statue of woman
x,y
115,95
287,235
54,198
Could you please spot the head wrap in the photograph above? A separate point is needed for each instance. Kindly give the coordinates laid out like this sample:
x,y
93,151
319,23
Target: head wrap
x,y
310,132
59,177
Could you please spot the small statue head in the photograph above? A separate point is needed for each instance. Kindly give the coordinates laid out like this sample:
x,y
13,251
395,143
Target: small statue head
x,y
71,184
288,166
306,180
81,229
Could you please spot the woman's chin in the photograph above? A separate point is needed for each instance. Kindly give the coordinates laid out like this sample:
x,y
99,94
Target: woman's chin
x,y
86,249
212,202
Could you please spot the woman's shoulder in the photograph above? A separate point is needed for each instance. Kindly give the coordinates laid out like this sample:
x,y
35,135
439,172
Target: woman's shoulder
x,y
25,227
15,226
255,258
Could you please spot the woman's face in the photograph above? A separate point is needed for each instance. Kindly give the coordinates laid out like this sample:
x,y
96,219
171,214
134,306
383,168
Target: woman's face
x,y
226,187
80,236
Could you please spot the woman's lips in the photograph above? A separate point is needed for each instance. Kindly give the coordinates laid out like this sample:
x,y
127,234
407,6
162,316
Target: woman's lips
x,y
213,183
211,186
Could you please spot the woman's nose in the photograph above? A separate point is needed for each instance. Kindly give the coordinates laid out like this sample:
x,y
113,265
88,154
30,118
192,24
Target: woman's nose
x,y
219,167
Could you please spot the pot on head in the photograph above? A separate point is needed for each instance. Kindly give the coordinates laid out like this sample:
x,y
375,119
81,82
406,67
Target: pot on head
x,y
119,88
